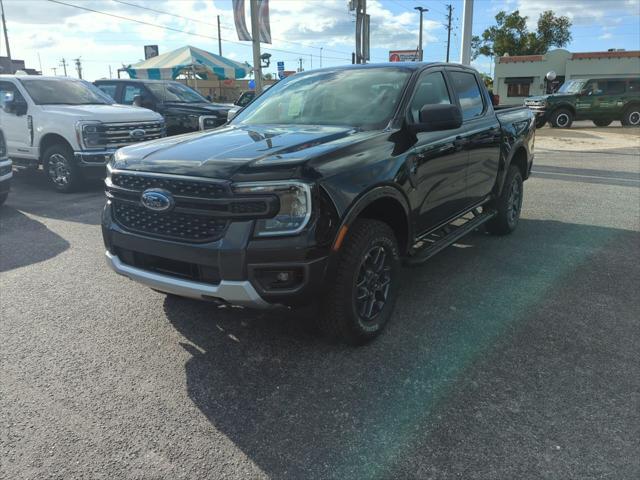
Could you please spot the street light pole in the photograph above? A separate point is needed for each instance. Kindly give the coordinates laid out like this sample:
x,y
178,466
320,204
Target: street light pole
x,y
420,54
255,35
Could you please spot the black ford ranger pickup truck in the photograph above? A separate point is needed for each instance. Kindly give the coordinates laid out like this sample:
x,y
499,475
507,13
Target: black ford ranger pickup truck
x,y
318,191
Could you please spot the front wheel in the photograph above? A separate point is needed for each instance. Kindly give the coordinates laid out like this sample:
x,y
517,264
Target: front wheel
x,y
541,122
508,205
561,118
631,116
361,300
60,168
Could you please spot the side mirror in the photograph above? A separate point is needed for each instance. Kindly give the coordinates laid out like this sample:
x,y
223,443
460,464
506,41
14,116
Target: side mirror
x,y
439,117
137,101
12,105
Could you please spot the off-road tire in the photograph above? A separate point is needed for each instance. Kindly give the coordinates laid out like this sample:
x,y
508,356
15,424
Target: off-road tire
x,y
631,116
506,220
561,118
340,319
53,158
602,123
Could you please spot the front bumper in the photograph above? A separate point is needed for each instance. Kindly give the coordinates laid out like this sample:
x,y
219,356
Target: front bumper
x,y
94,158
230,270
233,292
539,112
6,174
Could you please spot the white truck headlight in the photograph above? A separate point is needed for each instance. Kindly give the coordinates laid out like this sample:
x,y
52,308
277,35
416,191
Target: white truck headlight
x,y
91,134
295,206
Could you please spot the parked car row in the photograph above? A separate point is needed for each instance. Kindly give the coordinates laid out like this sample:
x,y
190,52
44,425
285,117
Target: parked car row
x,y
601,100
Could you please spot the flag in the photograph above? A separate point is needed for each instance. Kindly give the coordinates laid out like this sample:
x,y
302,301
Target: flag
x,y
263,18
238,17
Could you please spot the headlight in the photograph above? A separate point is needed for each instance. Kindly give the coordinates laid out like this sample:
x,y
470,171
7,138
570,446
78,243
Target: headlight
x,y
295,206
207,122
91,134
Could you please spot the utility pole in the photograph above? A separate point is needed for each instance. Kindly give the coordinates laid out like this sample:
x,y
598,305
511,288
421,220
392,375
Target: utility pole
x,y
362,30
110,74
450,9
311,57
467,28
219,38
420,52
300,68
6,38
63,64
255,40
55,71
320,57
78,67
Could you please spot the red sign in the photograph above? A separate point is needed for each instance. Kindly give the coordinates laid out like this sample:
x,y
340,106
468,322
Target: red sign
x,y
403,55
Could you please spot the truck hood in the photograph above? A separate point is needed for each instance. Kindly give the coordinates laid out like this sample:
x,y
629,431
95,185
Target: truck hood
x,y
230,150
103,113
196,108
554,97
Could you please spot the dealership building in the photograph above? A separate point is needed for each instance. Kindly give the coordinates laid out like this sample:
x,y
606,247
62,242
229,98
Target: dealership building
x,y
517,77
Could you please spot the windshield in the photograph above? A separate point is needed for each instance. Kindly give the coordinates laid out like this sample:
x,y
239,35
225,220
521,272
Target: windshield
x,y
363,98
64,92
572,86
175,92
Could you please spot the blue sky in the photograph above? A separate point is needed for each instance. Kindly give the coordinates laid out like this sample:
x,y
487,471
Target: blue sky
x,y
42,32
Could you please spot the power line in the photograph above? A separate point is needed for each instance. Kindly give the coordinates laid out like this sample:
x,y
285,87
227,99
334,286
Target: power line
x,y
191,19
155,25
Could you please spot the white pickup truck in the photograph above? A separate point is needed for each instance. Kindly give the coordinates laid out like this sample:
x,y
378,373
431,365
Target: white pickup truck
x,y
68,126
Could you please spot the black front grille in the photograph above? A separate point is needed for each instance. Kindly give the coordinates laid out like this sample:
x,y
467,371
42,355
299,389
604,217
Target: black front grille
x,y
172,225
167,266
187,188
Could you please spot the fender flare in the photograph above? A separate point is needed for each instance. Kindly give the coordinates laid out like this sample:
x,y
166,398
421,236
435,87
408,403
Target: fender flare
x,y
502,173
363,201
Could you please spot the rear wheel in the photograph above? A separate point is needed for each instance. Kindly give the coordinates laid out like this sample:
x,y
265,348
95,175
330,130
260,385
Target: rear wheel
x,y
602,123
561,118
508,205
60,168
361,300
631,116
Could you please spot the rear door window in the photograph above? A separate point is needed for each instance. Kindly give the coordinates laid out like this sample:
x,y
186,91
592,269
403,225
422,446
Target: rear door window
x,y
614,87
469,94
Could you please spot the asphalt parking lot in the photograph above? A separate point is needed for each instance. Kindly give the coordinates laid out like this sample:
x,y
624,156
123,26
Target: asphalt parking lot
x,y
508,358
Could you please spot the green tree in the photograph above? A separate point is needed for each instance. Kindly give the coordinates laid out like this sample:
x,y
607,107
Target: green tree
x,y
511,35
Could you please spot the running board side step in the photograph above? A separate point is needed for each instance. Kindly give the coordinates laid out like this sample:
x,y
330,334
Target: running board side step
x,y
445,236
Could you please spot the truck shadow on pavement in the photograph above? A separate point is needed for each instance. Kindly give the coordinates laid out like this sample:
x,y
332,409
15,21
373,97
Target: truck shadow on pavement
x,y
486,367
35,243
31,193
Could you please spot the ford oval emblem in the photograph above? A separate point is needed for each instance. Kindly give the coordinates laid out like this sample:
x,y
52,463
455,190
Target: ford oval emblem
x,y
157,199
137,133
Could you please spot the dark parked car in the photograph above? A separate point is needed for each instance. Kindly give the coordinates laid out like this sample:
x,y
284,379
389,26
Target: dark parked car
x,y
183,109
601,100
318,189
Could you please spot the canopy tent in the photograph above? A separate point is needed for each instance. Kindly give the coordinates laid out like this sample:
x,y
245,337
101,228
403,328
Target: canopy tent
x,y
190,61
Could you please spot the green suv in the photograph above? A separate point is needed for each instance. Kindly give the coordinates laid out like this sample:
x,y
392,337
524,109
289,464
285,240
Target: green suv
x,y
602,100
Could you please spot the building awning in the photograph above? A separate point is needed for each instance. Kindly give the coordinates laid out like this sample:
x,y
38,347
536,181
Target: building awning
x,y
509,80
